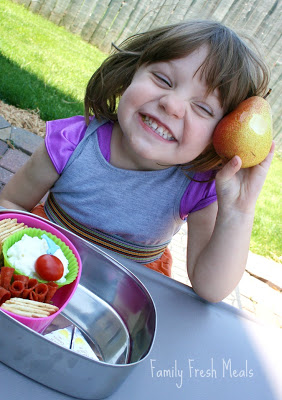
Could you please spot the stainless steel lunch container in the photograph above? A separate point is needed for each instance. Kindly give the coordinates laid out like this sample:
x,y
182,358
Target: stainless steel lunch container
x,y
111,307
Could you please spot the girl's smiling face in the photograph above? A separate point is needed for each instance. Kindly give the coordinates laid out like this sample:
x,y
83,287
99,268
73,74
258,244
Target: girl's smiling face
x,y
165,116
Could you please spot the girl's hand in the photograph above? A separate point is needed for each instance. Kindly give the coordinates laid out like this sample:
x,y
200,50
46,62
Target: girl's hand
x,y
238,188
218,240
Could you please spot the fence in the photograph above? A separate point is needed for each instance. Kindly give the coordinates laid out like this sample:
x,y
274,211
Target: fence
x,y
101,22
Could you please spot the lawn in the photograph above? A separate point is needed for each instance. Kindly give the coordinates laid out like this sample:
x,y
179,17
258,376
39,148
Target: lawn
x,y
42,65
266,237
45,67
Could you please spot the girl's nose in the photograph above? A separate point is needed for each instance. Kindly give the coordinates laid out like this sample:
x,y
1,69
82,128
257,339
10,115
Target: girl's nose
x,y
173,105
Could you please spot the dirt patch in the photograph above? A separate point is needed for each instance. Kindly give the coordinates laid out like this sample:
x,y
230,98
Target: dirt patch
x,y
26,119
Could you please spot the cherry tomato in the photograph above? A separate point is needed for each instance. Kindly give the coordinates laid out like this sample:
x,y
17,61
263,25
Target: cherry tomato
x,y
49,267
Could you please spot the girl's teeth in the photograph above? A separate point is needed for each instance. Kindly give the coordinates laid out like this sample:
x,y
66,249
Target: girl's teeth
x,y
158,129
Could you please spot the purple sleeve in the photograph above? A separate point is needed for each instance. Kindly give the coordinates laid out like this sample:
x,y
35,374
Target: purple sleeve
x,y
63,136
198,194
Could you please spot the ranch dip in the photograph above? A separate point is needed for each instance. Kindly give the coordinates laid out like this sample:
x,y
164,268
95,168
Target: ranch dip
x,y
24,253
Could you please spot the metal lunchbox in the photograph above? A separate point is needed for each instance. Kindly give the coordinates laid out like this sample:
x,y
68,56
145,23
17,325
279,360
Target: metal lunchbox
x,y
114,312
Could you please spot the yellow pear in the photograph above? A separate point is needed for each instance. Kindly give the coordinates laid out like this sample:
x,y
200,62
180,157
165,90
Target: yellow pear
x,y
245,132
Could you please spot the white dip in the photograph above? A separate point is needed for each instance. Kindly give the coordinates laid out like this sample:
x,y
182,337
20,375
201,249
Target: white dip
x,y
23,254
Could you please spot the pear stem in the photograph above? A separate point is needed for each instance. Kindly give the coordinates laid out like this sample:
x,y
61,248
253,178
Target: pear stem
x,y
267,94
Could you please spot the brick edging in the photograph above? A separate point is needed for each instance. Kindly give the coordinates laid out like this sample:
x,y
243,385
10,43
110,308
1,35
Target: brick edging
x,y
16,146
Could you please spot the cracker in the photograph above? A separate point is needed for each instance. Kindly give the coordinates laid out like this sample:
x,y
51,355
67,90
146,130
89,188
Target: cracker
x,y
15,310
44,306
7,221
9,226
27,308
5,235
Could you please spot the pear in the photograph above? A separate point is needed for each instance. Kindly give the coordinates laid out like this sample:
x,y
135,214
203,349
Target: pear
x,y
246,132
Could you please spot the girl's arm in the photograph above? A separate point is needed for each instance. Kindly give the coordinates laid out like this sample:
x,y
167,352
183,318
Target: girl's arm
x,y
30,183
219,235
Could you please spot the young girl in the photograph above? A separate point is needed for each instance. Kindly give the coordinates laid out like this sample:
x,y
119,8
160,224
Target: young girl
x,y
129,177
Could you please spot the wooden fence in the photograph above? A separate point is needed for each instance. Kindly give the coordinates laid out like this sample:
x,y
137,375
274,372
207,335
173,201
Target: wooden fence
x,y
101,22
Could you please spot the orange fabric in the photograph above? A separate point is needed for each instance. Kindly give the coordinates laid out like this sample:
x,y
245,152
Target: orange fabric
x,y
39,210
162,265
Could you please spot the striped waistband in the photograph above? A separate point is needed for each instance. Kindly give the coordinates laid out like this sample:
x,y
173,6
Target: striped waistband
x,y
141,254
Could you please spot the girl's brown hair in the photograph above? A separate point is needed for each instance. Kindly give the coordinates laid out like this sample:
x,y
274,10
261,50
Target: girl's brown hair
x,y
232,67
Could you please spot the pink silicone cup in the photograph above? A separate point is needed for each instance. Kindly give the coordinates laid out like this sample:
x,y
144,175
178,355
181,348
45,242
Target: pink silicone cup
x,y
65,293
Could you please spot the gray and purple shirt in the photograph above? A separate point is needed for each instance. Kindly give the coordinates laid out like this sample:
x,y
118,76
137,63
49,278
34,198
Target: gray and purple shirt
x,y
137,210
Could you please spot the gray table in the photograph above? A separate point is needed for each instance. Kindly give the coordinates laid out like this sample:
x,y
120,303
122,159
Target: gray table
x,y
201,351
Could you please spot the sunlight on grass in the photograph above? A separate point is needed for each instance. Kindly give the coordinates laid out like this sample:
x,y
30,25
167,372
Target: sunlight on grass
x,y
62,62
267,232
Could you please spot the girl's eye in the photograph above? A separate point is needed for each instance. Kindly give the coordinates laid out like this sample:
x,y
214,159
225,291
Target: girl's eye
x,y
162,78
205,109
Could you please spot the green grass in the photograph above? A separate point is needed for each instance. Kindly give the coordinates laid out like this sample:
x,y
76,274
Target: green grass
x,y
266,237
47,68
42,65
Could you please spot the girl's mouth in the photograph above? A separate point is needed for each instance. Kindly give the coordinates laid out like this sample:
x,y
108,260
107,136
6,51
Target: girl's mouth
x,y
160,130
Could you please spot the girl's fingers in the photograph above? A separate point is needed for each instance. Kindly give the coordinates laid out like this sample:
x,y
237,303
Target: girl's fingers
x,y
267,161
229,169
233,166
